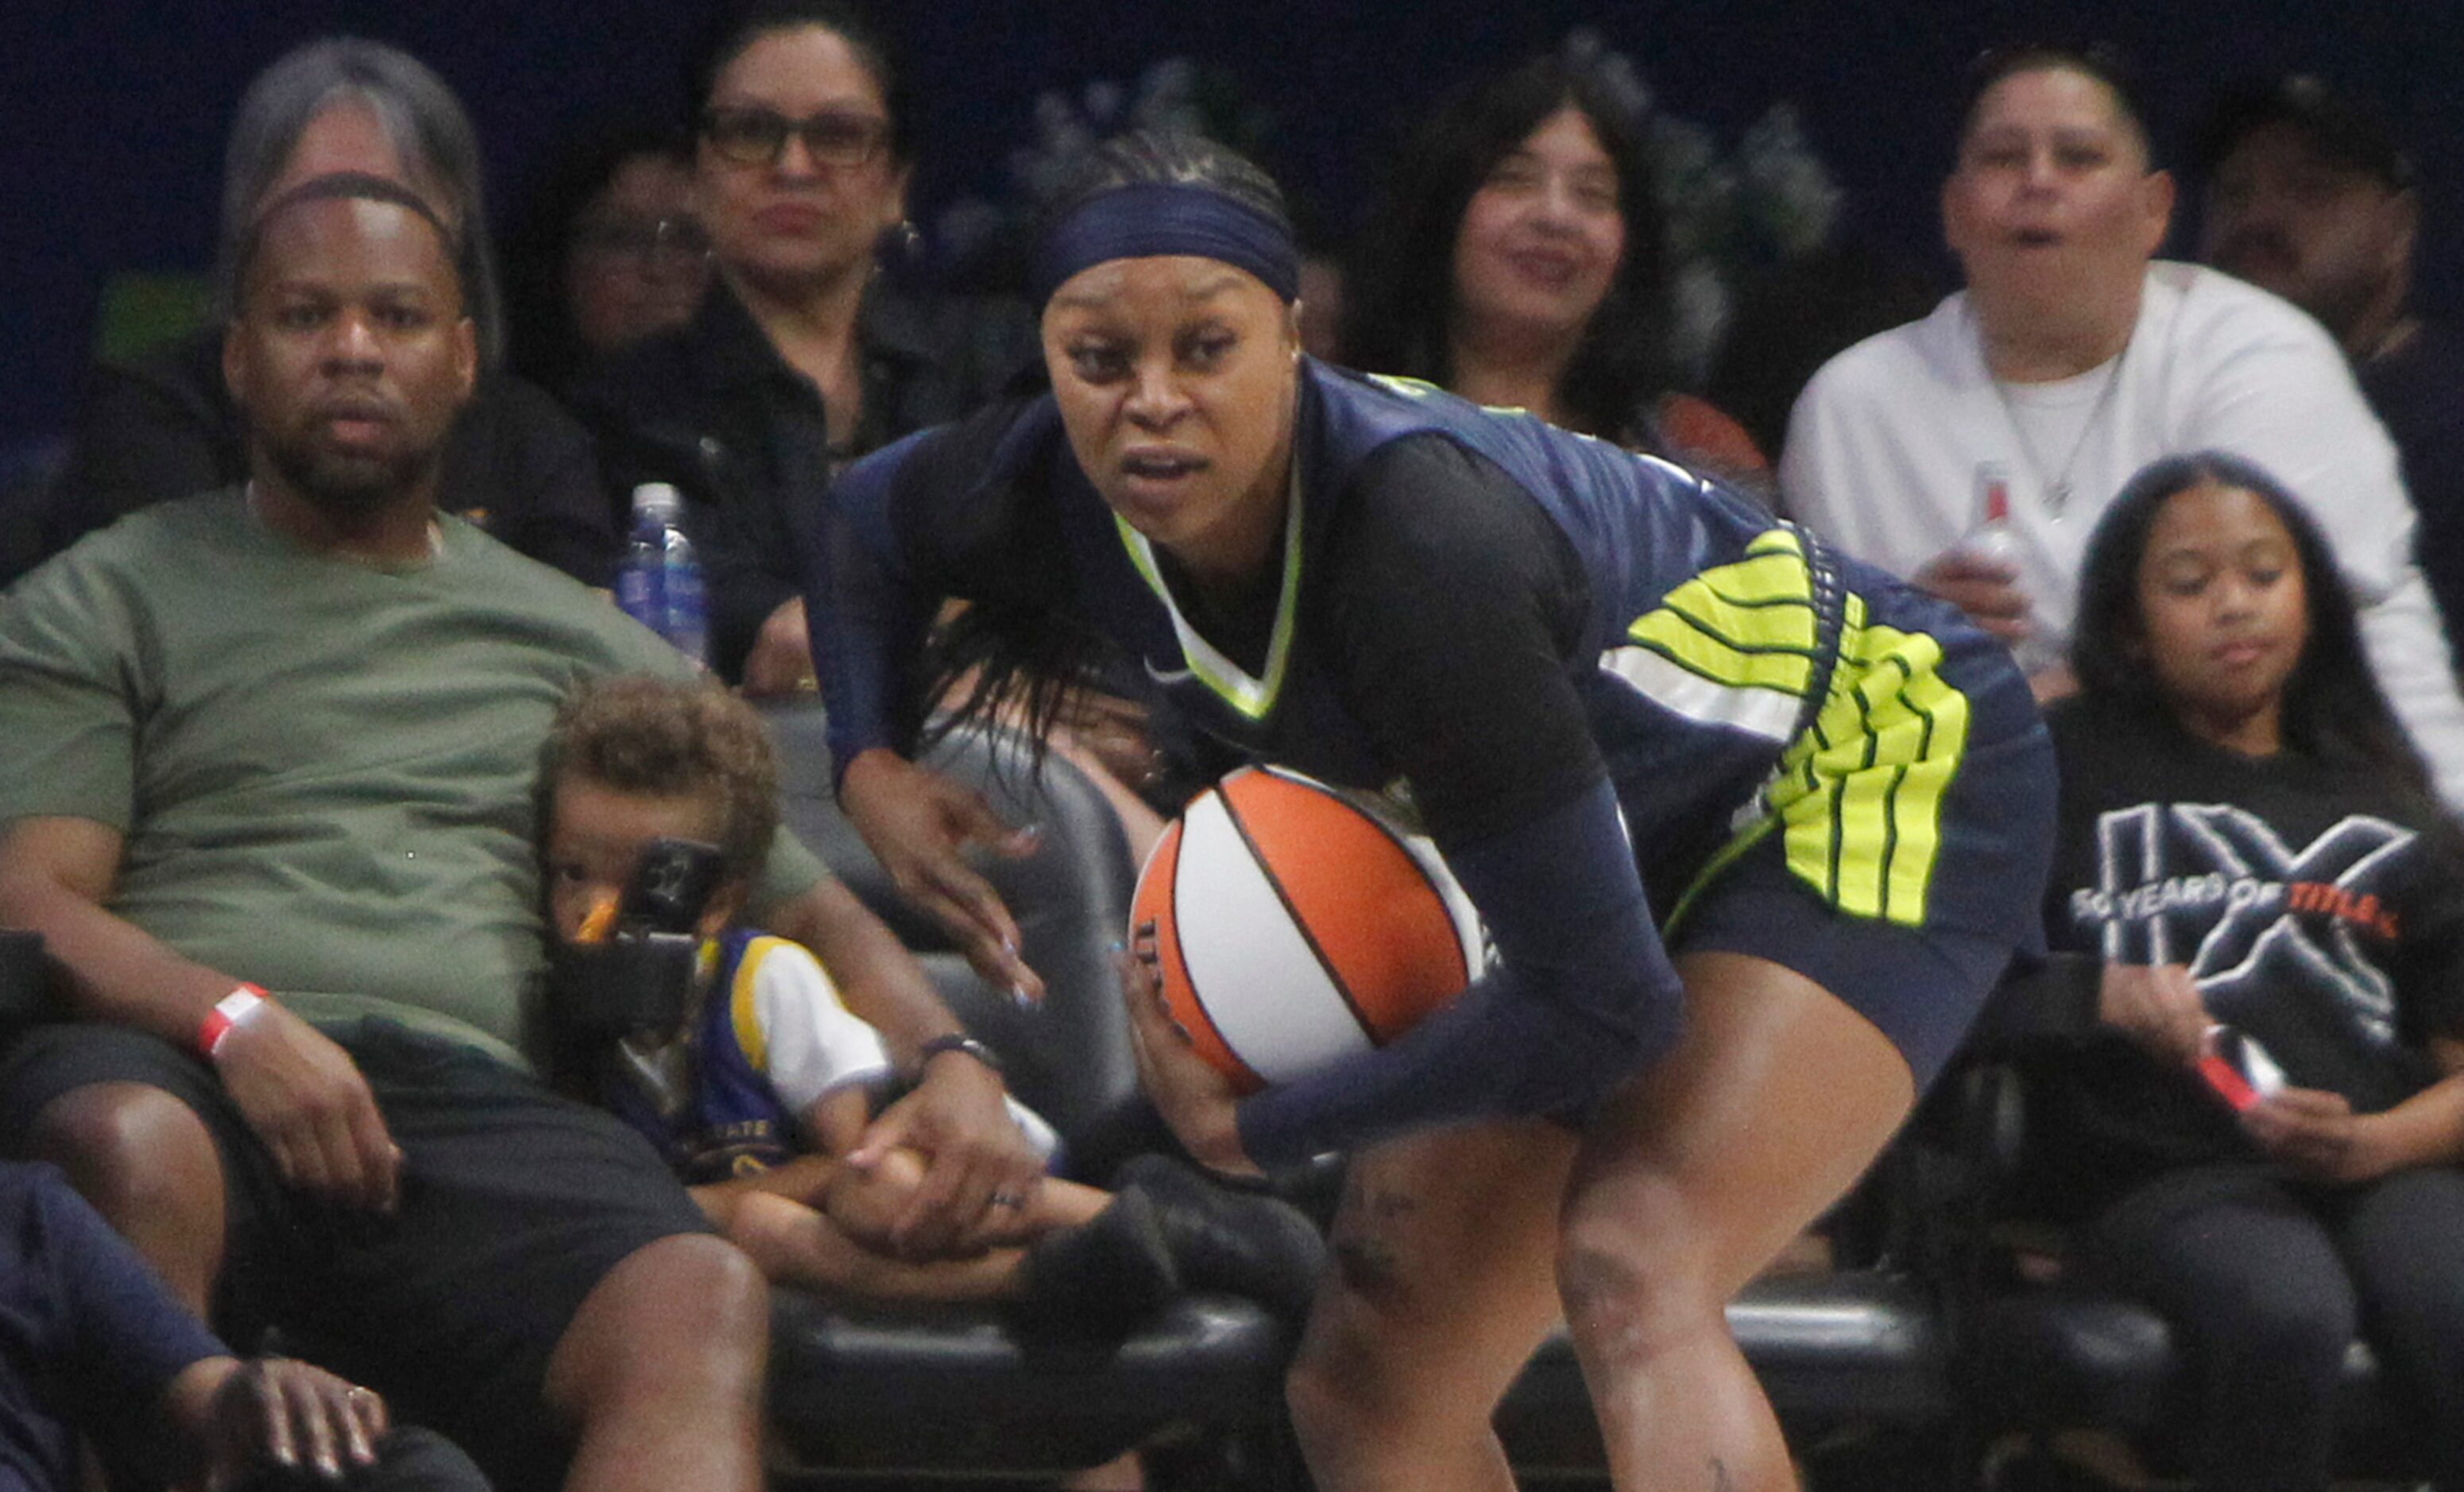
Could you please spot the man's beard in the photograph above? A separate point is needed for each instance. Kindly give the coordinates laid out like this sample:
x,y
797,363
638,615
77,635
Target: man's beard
x,y
349,486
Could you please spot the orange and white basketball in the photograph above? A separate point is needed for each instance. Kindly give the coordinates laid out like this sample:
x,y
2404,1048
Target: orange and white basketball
x,y
1295,924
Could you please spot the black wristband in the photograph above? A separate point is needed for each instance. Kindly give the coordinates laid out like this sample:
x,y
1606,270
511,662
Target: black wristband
x,y
959,1042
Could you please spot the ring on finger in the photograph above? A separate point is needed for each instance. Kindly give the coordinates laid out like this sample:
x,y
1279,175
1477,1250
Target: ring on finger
x,y
1008,1199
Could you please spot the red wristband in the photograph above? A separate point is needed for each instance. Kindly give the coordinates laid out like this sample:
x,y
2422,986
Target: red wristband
x,y
227,1012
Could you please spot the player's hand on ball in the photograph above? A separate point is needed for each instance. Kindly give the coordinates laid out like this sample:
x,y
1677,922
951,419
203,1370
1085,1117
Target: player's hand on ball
x,y
1195,1100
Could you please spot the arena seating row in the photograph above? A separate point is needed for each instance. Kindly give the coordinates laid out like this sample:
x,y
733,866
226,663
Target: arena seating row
x,y
1919,1350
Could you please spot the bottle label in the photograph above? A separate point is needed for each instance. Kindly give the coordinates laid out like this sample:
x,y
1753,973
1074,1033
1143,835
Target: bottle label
x,y
1992,493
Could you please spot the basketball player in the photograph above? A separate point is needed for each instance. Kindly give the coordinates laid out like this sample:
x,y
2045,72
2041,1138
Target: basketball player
x,y
1755,826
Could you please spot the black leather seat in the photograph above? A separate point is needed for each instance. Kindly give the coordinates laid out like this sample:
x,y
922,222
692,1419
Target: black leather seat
x,y
1853,1346
953,1390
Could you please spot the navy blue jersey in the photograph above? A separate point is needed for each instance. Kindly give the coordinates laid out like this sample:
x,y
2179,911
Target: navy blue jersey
x,y
1588,672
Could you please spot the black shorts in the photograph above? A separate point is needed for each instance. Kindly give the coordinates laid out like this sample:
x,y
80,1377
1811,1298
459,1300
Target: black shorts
x,y
515,1203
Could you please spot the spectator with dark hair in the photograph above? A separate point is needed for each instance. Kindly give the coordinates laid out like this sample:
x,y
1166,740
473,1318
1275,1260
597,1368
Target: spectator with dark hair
x,y
2071,360
166,427
2247,839
92,1343
609,249
1520,262
2308,194
270,803
801,357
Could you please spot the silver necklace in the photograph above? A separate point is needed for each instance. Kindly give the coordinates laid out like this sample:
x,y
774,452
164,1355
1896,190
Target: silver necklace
x,y
2058,487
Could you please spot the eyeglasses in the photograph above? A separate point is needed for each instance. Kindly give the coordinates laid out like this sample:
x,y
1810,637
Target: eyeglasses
x,y
641,240
759,137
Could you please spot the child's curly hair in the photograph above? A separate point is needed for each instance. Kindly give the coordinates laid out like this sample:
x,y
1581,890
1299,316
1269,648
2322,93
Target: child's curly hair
x,y
674,738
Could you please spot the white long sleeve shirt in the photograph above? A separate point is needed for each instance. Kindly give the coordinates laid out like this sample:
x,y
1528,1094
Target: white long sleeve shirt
x,y
1893,444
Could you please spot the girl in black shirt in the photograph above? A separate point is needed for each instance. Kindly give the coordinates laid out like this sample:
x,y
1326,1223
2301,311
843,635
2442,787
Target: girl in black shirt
x,y
2248,840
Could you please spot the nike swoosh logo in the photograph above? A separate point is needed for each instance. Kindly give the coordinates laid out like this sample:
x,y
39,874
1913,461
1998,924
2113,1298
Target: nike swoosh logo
x,y
1165,675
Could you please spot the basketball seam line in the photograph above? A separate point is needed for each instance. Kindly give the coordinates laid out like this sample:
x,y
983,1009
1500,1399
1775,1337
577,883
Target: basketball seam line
x,y
1396,838
1189,980
1299,924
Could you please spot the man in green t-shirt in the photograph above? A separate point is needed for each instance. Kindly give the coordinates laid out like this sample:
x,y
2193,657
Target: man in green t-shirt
x,y
285,738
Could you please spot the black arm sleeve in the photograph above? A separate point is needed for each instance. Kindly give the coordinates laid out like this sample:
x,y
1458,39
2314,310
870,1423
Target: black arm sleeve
x,y
905,527
1459,601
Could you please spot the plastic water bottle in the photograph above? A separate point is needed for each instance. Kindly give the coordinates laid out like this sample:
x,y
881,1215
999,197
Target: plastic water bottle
x,y
660,584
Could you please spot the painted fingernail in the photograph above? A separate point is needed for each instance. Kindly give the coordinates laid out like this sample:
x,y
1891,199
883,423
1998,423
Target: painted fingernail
x,y
1117,948
1018,997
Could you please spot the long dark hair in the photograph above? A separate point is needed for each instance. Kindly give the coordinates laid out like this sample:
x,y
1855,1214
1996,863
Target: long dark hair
x,y
2333,711
1399,291
1027,654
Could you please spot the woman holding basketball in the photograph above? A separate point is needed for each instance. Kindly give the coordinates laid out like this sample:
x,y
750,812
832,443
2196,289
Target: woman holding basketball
x,y
1753,827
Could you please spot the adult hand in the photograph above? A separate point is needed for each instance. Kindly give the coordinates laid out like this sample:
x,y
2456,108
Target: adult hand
x,y
2157,1006
919,825
2317,1133
307,1101
782,659
979,1171
1195,1099
1987,589
281,1411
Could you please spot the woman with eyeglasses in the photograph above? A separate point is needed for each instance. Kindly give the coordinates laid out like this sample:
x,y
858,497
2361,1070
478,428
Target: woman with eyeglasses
x,y
801,358
609,249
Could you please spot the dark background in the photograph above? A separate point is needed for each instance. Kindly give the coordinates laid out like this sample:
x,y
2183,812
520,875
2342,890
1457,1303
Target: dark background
x,y
112,113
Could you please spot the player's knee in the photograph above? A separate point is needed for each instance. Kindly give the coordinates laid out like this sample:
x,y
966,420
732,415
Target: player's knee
x,y
1341,1380
1628,1292
139,1155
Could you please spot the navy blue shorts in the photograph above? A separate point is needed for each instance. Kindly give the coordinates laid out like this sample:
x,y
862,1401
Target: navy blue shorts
x,y
1900,861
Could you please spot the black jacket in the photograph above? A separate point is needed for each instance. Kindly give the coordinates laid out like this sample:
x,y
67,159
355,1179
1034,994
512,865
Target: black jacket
x,y
714,409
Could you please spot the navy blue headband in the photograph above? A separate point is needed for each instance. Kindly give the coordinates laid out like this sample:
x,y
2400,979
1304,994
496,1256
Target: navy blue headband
x,y
1150,218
